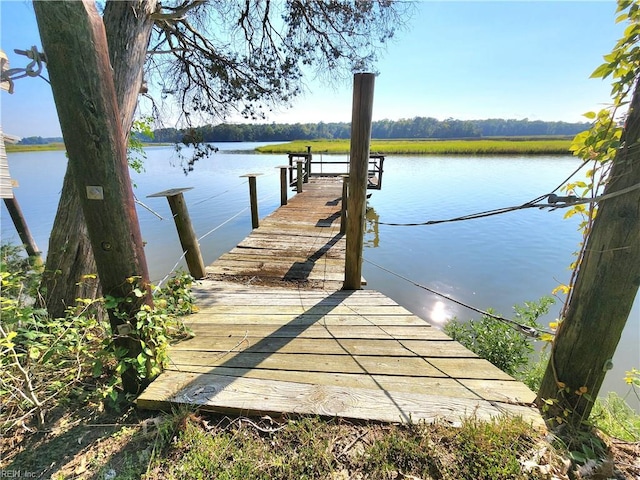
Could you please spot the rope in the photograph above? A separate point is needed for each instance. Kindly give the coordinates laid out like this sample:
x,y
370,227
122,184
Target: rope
x,y
33,69
607,196
524,329
554,202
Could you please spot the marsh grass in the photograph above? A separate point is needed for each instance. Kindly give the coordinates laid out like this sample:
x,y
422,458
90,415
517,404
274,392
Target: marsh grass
x,y
501,146
494,146
13,148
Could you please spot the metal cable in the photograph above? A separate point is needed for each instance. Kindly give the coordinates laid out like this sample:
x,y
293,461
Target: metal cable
x,y
532,332
554,202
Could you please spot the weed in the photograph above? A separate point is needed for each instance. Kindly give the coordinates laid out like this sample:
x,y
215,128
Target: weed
x,y
48,360
403,449
616,418
490,450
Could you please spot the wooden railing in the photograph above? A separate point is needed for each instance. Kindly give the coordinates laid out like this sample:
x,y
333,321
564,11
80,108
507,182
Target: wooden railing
x,y
312,167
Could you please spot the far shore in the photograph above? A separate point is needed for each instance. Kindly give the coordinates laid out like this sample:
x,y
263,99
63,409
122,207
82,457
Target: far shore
x,y
481,146
15,148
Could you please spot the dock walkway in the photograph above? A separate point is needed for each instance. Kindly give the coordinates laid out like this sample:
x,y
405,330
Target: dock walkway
x,y
276,335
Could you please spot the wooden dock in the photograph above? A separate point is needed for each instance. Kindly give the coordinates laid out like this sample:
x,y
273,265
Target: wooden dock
x,y
275,334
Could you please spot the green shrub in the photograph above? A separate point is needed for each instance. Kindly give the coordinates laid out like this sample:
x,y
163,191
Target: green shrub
x,y
44,360
497,341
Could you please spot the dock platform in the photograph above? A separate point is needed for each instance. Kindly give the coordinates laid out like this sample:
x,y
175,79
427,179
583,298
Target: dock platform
x,y
276,335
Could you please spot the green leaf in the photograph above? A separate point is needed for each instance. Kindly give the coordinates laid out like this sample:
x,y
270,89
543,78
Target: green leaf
x,y
141,359
47,356
577,457
97,368
602,71
589,115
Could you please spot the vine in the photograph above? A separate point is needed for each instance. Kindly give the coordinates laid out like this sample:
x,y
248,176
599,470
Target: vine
x,y
598,146
153,327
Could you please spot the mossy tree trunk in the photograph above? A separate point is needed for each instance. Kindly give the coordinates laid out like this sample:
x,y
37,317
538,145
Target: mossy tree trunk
x,y
604,292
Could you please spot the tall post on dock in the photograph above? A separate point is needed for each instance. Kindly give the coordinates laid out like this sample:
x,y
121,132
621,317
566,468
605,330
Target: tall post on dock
x,y
308,165
362,111
253,198
283,184
300,175
186,233
343,203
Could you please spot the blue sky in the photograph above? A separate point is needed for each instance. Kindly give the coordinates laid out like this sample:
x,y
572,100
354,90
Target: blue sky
x,y
465,60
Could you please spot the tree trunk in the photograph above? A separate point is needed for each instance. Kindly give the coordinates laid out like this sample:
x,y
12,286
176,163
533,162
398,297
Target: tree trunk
x,y
70,266
604,292
74,41
70,256
128,25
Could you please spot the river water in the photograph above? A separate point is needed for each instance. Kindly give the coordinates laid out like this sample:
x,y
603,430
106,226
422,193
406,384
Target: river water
x,y
494,262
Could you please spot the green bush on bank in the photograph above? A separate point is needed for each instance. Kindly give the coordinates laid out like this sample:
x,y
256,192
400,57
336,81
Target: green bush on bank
x,y
507,348
45,361
513,352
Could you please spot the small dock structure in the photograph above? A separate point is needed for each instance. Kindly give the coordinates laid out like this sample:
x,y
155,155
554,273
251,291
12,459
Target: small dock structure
x,y
311,167
276,334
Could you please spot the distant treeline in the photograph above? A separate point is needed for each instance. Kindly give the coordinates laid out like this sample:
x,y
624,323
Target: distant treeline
x,y
40,140
418,127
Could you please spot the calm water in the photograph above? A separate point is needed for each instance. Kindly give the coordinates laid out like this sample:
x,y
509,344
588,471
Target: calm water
x,y
495,262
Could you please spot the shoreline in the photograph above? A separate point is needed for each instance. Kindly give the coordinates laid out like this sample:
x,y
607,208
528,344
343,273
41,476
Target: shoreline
x,y
482,146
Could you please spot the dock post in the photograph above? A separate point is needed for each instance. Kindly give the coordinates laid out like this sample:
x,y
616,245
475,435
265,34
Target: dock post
x,y
15,212
363,86
283,184
253,198
343,210
308,165
186,233
299,180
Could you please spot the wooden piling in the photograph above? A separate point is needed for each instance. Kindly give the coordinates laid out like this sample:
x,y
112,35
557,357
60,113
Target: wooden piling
x,y
253,198
363,87
307,165
343,211
13,207
186,233
299,180
283,184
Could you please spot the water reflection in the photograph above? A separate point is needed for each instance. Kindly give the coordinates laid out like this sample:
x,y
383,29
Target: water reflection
x,y
439,314
371,232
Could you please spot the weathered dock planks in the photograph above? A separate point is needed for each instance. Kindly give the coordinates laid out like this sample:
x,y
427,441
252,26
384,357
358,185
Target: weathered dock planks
x,y
300,242
276,343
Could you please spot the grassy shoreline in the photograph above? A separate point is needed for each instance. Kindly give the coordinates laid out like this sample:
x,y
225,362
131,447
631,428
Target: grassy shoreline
x,y
14,148
484,146
501,146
